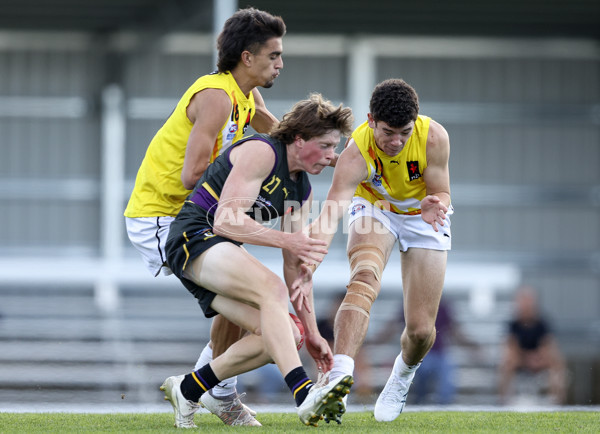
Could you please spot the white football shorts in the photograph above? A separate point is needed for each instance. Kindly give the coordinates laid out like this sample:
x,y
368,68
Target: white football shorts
x,y
409,230
149,236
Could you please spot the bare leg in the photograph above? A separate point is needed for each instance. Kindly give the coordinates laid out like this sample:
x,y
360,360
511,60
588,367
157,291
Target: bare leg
x,y
243,356
511,359
555,364
255,287
223,334
350,330
249,352
423,272
350,327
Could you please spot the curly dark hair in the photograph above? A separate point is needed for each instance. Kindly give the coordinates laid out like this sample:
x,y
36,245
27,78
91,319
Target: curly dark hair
x,y
394,102
313,117
247,29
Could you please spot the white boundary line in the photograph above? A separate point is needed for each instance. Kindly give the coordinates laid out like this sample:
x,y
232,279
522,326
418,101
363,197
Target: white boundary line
x,y
278,408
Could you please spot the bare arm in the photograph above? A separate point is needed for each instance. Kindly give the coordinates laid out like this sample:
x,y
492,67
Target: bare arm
x,y
350,170
294,222
436,176
263,119
252,163
208,111
316,345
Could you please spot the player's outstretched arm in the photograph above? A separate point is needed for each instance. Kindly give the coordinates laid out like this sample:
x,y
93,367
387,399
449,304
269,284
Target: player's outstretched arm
x,y
350,170
302,298
293,268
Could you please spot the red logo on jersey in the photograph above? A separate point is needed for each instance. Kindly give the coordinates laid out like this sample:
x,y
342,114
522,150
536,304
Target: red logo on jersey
x,y
247,122
413,170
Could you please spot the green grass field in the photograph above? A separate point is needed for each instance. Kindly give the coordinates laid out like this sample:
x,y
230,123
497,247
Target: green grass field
x,y
411,422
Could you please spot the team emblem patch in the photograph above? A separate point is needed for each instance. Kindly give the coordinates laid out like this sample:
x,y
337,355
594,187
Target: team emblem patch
x,y
413,170
206,233
356,208
231,132
376,181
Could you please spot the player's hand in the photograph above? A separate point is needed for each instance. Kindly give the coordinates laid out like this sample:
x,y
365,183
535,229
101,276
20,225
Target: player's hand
x,y
301,289
319,349
304,247
433,211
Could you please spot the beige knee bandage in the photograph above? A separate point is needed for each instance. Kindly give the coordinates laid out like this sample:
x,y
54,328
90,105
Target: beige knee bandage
x,y
366,257
359,298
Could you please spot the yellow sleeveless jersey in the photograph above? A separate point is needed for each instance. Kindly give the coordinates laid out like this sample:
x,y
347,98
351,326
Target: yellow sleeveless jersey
x,y
158,189
394,183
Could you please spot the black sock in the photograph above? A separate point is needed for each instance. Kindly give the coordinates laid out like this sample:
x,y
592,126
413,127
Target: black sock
x,y
299,383
198,382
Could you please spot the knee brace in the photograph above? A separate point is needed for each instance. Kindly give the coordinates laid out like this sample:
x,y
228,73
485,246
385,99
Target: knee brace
x,y
366,257
359,298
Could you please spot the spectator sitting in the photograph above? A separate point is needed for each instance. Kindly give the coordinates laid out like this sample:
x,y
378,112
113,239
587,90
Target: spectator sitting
x,y
531,347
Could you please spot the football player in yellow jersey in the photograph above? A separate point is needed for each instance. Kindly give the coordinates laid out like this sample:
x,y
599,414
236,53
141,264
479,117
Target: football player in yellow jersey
x,y
394,180
213,113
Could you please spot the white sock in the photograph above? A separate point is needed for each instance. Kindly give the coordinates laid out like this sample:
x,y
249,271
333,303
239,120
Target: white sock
x,y
225,387
342,365
401,368
205,357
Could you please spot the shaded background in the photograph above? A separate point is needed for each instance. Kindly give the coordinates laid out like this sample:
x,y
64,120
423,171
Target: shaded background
x,y
85,85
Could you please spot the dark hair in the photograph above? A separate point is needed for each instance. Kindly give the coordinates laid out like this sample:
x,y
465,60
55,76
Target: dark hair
x,y
247,29
394,102
313,117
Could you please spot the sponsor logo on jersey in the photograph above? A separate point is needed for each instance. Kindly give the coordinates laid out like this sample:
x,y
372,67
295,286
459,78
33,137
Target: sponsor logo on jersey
x,y
247,122
261,200
413,170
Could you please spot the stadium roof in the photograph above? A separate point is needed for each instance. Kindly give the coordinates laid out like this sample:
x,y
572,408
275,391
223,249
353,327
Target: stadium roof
x,y
554,18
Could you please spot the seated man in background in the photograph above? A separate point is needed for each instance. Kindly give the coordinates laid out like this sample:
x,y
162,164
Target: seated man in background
x,y
531,347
